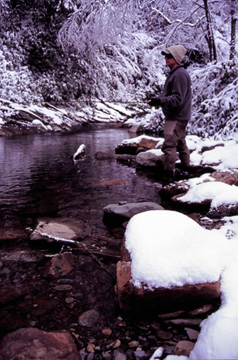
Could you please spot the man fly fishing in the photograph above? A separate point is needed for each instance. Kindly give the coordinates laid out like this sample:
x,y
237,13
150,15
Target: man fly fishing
x,y
175,102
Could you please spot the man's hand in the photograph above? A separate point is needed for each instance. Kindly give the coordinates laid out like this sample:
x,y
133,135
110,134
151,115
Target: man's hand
x,y
154,102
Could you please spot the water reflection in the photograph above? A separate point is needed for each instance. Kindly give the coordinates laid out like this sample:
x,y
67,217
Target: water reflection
x,y
39,178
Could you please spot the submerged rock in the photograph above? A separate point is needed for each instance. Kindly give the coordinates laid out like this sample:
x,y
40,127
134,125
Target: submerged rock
x,y
100,155
88,318
60,265
36,344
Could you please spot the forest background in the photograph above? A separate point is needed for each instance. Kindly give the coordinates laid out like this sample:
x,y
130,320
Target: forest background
x,y
72,51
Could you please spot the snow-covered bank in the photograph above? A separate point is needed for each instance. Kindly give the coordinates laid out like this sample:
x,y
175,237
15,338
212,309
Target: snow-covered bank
x,y
20,118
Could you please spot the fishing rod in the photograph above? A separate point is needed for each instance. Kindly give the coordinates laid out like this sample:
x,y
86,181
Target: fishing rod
x,y
133,102
89,101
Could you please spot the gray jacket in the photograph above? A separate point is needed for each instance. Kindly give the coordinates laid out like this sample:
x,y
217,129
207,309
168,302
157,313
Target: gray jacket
x,y
176,98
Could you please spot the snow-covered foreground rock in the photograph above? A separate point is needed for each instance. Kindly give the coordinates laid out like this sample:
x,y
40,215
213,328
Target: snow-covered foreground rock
x,y
166,264
169,249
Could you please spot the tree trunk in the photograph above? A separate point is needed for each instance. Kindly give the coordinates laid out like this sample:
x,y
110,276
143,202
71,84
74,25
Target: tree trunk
x,y
209,34
233,30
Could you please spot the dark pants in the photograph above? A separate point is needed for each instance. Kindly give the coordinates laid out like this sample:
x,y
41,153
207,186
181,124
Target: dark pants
x,y
174,141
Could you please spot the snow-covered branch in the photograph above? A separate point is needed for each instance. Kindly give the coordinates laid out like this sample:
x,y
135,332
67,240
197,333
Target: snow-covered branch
x,y
199,20
183,22
163,15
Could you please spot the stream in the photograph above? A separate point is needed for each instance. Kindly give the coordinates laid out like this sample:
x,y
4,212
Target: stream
x,y
50,289
39,178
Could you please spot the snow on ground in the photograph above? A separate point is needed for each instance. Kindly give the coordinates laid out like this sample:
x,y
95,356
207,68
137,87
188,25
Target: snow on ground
x,y
210,191
230,227
222,157
218,338
225,157
226,197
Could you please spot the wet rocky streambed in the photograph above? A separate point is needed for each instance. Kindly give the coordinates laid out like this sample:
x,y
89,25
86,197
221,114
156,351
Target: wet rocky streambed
x,y
54,286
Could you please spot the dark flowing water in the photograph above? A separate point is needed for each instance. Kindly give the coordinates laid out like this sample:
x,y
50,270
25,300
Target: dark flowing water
x,y
38,178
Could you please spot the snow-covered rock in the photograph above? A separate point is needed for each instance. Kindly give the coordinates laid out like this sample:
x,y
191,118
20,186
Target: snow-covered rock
x,y
79,153
169,265
150,158
137,144
128,210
